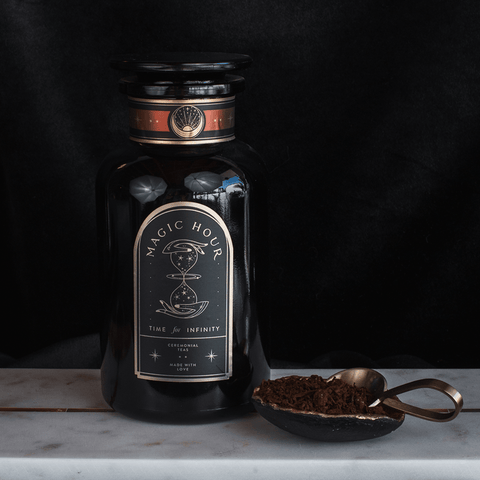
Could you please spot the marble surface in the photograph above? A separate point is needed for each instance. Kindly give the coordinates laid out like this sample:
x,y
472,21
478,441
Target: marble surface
x,y
51,389
55,425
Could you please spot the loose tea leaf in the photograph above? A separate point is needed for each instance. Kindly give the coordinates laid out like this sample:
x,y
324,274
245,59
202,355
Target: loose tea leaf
x,y
315,394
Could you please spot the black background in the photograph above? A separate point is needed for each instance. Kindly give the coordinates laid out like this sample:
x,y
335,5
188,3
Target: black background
x,y
367,114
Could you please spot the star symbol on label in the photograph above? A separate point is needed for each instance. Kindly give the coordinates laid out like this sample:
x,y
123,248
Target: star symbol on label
x,y
155,355
211,356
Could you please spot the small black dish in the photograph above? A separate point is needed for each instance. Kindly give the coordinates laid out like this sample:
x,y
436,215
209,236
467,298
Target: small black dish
x,y
327,428
348,428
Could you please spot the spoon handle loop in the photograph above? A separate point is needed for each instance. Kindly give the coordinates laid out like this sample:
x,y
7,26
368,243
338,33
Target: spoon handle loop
x,y
433,415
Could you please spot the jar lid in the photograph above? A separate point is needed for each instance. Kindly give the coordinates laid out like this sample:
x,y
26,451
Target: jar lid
x,y
181,74
181,62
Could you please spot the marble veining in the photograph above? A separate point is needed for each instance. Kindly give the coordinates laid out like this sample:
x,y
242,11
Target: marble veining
x,y
104,444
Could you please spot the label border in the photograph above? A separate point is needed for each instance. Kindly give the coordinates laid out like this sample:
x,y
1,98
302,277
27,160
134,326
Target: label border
x,y
229,302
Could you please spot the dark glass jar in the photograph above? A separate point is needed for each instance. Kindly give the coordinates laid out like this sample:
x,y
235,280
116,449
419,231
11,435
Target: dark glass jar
x,y
182,227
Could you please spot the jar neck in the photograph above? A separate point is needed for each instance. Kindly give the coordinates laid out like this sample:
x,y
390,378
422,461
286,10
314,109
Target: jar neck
x,y
182,122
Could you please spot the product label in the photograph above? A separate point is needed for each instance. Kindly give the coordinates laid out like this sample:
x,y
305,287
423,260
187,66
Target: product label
x,y
183,276
182,122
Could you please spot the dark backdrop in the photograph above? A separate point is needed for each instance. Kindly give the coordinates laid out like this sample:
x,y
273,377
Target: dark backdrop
x,y
367,114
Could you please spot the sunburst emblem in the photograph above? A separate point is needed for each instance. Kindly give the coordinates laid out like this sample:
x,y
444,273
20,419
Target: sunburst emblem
x,y
187,121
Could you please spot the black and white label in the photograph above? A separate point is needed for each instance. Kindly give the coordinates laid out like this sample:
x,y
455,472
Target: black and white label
x,y
183,276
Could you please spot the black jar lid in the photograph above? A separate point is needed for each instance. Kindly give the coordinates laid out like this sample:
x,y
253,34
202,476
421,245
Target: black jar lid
x,y
181,62
181,74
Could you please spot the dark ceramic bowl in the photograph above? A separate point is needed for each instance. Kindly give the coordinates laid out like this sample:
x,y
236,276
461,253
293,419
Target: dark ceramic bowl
x,y
327,428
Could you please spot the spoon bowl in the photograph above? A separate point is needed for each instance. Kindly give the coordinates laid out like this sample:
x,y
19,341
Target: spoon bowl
x,y
372,380
347,428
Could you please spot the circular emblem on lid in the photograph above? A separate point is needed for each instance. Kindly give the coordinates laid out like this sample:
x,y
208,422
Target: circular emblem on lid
x,y
187,121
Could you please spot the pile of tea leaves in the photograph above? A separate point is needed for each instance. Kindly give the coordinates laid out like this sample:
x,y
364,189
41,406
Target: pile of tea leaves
x,y
317,395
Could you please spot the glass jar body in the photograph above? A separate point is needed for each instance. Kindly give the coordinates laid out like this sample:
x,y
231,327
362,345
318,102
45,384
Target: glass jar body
x,y
237,198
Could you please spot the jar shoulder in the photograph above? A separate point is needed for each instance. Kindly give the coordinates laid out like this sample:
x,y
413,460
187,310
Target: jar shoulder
x,y
235,155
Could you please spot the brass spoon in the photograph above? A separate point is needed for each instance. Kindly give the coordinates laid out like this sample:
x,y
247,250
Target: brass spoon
x,y
377,385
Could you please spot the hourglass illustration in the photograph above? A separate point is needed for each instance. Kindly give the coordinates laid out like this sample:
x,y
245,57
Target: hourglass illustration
x,y
183,300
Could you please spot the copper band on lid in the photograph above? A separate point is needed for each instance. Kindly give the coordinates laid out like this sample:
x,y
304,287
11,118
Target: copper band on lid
x,y
182,122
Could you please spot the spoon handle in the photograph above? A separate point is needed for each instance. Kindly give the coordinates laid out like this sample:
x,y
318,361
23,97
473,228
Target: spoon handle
x,y
426,414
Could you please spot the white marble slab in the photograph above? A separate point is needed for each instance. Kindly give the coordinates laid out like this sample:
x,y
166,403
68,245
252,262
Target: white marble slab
x,y
51,388
106,445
